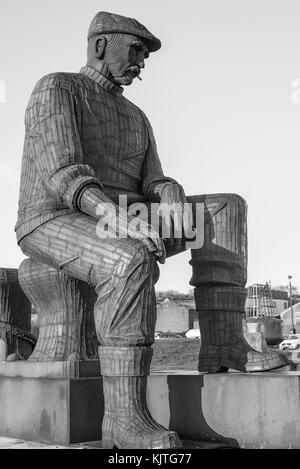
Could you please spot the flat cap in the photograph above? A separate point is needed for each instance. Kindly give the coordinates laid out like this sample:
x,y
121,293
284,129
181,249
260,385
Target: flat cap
x,y
109,23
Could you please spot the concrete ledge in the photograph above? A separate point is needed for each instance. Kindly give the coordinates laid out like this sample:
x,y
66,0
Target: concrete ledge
x,y
247,410
50,370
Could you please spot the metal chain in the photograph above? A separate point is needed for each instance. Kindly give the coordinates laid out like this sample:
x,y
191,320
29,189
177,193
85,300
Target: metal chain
x,y
17,331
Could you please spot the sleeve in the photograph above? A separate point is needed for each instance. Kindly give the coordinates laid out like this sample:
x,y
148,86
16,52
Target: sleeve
x,y
51,123
152,173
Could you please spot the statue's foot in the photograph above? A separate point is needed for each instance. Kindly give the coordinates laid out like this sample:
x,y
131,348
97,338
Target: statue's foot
x,y
136,433
127,421
240,357
225,338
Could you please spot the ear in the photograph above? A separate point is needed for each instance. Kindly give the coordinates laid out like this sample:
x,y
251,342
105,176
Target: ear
x,y
100,46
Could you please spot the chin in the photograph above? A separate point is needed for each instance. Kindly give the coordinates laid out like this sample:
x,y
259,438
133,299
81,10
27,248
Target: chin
x,y
124,81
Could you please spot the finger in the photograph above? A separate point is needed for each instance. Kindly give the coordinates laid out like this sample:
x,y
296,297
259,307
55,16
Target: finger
x,y
157,248
171,238
164,213
178,244
187,218
157,240
178,218
178,230
162,257
150,234
149,245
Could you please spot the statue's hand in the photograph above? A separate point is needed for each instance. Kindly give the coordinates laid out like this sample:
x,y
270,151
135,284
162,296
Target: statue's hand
x,y
119,224
139,229
150,238
175,212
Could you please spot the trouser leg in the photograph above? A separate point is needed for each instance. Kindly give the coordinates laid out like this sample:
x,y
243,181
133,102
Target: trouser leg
x,y
125,309
123,274
125,315
127,421
121,271
65,313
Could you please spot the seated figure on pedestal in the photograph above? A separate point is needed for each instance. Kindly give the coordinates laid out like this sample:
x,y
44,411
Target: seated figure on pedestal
x,y
86,145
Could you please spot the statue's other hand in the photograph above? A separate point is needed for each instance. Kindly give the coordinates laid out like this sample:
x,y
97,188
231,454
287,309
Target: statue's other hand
x,y
174,211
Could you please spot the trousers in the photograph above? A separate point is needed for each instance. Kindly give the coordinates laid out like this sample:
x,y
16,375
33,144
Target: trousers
x,y
124,272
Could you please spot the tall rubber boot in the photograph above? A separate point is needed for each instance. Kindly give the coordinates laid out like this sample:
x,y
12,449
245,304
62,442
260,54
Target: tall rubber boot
x,y
127,422
224,344
220,275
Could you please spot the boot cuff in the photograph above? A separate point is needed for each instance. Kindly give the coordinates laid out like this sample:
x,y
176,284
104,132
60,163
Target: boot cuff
x,y
125,361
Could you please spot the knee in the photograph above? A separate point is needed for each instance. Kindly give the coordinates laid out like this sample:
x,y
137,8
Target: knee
x,y
134,252
229,198
234,203
27,271
128,257
36,278
236,200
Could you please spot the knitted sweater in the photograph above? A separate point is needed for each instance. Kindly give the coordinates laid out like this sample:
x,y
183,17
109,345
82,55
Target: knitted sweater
x,y
80,130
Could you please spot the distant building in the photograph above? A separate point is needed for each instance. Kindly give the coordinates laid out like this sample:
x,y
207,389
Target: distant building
x,y
259,301
270,303
176,315
281,301
286,317
296,298
179,314
172,317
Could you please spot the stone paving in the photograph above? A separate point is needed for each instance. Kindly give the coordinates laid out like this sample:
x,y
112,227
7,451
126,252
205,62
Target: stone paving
x,y
14,443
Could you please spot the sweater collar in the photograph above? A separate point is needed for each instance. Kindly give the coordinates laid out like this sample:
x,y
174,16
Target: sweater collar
x,y
101,78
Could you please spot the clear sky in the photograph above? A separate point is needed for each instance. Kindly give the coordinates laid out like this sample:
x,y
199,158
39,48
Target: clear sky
x,y
218,96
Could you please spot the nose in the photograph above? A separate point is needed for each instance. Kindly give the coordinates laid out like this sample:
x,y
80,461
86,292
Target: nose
x,y
140,59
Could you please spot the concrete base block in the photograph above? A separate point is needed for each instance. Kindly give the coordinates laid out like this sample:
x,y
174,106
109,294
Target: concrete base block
x,y
62,403
51,402
246,410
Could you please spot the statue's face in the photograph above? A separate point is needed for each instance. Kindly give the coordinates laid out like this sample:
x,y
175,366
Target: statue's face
x,y
125,57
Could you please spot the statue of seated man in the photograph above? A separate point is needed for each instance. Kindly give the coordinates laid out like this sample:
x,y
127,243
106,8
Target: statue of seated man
x,y
86,145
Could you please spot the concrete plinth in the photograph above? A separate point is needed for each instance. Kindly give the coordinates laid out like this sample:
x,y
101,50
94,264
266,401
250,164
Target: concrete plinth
x,y
62,403
246,410
51,402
